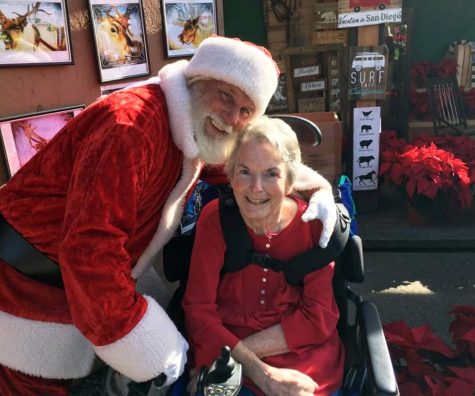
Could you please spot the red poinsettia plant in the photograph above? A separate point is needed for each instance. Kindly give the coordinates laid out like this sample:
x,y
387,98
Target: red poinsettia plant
x,y
434,179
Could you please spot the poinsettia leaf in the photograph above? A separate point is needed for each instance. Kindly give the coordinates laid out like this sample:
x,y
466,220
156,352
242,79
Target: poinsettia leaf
x,y
411,187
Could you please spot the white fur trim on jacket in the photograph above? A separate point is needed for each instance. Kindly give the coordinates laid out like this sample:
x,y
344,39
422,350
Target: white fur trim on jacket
x,y
171,216
153,347
308,179
173,84
44,349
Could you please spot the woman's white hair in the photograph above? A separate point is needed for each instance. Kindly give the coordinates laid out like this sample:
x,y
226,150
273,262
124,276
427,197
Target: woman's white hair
x,y
275,132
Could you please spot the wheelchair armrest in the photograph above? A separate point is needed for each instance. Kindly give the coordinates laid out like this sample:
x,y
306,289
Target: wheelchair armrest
x,y
375,351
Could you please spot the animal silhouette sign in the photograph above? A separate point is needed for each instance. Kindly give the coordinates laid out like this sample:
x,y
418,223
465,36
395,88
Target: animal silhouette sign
x,y
187,24
366,128
34,32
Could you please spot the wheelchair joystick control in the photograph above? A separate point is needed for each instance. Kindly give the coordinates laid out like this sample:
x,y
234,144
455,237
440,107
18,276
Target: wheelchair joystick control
x,y
224,377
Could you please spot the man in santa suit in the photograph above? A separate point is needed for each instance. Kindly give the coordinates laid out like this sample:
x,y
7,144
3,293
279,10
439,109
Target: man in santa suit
x,y
102,198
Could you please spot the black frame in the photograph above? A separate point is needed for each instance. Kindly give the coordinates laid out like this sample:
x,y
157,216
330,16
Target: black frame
x,y
168,7
34,57
113,65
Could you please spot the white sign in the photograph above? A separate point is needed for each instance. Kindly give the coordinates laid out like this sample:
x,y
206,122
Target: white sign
x,y
368,12
307,71
312,86
366,130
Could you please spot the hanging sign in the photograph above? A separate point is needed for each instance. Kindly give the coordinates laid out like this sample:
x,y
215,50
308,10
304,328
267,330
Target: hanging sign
x,y
367,72
366,130
368,12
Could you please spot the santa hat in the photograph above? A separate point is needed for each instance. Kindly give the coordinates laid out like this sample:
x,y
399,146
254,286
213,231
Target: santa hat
x,y
240,63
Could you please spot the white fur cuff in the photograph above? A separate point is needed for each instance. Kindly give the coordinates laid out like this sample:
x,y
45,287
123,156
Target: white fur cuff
x,y
153,347
309,179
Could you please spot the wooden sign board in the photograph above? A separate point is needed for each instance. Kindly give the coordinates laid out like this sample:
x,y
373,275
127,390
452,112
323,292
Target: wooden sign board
x,y
324,37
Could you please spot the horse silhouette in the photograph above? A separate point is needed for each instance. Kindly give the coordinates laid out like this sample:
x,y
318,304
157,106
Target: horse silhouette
x,y
367,176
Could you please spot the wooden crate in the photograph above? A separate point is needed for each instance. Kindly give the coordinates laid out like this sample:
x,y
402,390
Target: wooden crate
x,y
325,158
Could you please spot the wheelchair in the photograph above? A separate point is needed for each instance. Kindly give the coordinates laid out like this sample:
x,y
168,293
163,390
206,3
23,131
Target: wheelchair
x,y
368,366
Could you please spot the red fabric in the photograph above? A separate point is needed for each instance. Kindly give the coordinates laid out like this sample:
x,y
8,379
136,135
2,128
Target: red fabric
x,y
221,311
92,200
14,383
214,174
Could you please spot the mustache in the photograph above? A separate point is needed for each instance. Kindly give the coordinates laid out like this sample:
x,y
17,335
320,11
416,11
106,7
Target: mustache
x,y
219,123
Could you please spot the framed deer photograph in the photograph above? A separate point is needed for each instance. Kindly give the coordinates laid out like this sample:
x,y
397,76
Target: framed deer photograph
x,y
34,33
120,39
26,134
186,24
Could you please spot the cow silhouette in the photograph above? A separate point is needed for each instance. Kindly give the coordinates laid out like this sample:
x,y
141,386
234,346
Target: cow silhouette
x,y
368,176
365,160
364,144
366,128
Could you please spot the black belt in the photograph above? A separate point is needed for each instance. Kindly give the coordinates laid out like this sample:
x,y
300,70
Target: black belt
x,y
18,253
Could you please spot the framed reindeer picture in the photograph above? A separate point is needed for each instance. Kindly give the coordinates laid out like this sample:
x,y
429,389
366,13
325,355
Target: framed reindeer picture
x,y
120,39
186,24
26,134
34,33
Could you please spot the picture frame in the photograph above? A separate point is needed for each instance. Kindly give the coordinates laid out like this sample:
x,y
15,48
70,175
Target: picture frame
x,y
25,134
120,39
34,33
186,24
109,88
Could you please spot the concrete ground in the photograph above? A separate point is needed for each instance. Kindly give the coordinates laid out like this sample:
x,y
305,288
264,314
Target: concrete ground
x,y
417,273
419,287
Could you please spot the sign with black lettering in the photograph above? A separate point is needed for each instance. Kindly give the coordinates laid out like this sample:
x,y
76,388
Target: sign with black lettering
x,y
367,72
312,86
368,12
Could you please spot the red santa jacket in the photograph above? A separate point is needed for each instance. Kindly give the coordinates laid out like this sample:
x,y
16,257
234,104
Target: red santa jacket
x,y
101,199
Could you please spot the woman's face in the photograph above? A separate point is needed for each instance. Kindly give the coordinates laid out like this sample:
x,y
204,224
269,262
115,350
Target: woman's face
x,y
259,182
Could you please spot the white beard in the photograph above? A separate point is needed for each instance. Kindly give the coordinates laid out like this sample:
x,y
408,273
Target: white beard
x,y
211,150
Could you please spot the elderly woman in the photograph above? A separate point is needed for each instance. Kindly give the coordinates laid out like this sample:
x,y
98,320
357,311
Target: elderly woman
x,y
284,336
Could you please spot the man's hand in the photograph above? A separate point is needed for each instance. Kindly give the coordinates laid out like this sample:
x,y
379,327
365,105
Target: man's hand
x,y
322,206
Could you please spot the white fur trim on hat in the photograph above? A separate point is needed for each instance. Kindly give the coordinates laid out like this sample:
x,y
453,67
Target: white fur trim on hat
x,y
242,64
154,346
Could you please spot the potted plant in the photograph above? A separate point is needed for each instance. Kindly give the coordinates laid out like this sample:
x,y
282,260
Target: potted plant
x,y
435,182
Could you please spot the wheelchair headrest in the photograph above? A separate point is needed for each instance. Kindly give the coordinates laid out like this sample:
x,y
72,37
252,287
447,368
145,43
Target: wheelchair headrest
x,y
308,133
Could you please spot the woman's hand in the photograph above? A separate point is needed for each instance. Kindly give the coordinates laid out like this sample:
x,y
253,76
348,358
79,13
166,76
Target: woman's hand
x,y
285,382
